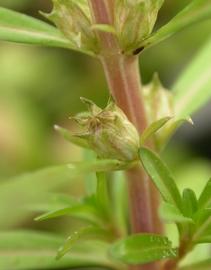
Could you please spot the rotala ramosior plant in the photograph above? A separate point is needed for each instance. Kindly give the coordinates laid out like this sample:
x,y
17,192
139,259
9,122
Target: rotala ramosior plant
x,y
128,134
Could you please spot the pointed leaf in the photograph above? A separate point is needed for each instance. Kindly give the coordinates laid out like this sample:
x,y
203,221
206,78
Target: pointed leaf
x,y
73,138
84,233
142,248
170,213
203,226
83,211
205,197
190,204
17,27
153,128
21,250
196,11
193,88
161,176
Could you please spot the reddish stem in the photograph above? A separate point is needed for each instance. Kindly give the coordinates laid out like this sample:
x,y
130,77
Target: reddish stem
x,y
122,74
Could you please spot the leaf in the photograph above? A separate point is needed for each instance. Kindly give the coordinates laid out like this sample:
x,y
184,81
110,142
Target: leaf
x,y
203,265
17,27
193,88
205,197
196,11
31,188
170,213
84,210
153,128
171,127
203,226
161,176
142,248
190,204
84,233
21,250
73,138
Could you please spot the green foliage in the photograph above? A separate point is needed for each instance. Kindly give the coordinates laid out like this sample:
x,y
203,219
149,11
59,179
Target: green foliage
x,y
17,27
161,176
196,11
34,250
143,248
153,128
103,211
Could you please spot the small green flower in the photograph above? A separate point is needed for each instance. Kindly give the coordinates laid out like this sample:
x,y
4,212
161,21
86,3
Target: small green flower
x,y
134,21
73,18
108,132
158,100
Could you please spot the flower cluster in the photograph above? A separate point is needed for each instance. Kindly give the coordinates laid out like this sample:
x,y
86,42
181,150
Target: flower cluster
x,y
133,22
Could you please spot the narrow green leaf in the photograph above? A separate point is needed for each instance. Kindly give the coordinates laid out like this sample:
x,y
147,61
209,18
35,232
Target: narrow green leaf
x,y
161,176
75,139
21,250
170,213
17,27
193,88
205,197
203,265
153,128
203,226
84,211
84,233
190,204
142,248
171,127
196,11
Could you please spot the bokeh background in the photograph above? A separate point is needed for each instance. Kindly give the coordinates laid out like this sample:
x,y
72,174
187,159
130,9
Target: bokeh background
x,y
40,87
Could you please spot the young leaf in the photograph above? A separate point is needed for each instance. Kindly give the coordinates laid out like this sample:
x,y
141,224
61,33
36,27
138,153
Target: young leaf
x,y
203,226
30,188
190,204
153,128
21,250
142,248
196,11
20,28
205,197
161,176
193,88
84,210
73,138
84,233
170,213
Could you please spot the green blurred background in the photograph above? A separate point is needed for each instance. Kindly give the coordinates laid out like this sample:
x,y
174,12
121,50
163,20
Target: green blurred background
x,y
40,87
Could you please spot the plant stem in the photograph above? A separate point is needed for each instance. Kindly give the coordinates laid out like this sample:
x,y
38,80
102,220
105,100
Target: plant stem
x,y
122,74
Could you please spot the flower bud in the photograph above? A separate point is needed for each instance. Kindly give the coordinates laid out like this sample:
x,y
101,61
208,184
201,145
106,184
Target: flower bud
x,y
109,133
158,100
134,21
73,18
